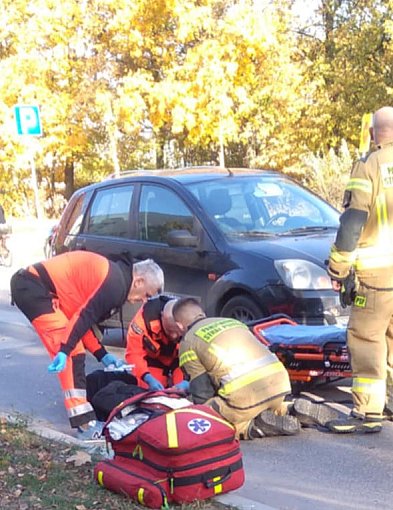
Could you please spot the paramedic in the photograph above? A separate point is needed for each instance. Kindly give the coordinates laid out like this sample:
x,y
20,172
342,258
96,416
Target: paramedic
x,y
364,242
238,376
152,346
152,350
64,298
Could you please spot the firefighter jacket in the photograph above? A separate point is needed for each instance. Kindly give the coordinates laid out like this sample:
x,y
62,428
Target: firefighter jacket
x,y
222,357
148,346
88,288
365,236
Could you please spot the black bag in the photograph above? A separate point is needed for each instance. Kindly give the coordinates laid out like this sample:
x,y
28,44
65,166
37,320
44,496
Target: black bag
x,y
105,390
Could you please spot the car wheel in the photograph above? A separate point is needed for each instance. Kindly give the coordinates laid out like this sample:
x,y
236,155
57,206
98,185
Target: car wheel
x,y
242,308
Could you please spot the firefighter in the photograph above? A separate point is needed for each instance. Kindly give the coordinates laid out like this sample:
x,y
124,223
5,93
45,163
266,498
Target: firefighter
x,y
363,253
64,298
152,346
238,376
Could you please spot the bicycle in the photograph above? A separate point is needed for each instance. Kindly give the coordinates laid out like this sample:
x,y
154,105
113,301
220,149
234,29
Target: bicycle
x,y
5,252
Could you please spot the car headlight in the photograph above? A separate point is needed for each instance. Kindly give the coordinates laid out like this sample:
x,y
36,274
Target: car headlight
x,y
302,275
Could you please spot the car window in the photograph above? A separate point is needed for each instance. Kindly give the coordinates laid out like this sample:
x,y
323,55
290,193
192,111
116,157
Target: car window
x,y
71,221
162,210
110,211
262,204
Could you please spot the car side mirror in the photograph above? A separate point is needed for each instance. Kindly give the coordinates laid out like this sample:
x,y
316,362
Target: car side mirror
x,y
181,238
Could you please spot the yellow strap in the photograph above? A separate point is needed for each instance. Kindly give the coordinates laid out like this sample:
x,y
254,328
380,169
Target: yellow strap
x,y
141,493
218,487
382,213
100,478
247,379
171,430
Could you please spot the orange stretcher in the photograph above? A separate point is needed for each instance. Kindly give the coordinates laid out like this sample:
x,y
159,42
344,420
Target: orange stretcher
x,y
309,353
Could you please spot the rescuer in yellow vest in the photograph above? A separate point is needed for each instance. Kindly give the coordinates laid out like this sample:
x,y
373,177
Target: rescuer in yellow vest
x,y
234,373
364,248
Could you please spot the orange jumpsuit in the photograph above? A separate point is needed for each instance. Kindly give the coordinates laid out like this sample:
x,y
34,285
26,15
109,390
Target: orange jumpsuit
x,y
63,297
148,347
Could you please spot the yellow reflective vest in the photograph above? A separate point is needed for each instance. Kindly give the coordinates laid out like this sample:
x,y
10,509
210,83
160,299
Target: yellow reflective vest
x,y
241,369
370,189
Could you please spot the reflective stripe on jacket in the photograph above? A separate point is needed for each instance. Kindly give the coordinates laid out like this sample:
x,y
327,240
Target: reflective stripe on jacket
x,y
241,369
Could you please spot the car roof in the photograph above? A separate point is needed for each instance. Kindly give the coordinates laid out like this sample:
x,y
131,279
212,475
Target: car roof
x,y
186,175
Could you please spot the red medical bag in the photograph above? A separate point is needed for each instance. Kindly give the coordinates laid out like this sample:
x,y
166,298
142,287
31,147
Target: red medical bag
x,y
182,455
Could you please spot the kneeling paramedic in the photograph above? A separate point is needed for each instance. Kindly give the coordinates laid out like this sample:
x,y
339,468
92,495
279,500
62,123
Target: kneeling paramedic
x,y
152,350
64,298
235,374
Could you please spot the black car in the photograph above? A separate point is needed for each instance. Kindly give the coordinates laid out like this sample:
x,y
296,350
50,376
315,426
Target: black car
x,y
248,243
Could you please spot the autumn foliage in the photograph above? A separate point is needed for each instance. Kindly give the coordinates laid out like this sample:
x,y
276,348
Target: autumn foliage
x,y
172,82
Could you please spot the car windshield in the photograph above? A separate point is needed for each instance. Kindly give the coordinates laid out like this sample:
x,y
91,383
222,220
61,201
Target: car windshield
x,y
263,206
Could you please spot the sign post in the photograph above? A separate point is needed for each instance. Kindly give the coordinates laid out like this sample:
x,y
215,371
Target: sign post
x,y
28,123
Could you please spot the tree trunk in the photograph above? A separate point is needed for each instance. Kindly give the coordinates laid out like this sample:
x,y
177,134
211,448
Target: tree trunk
x,y
69,178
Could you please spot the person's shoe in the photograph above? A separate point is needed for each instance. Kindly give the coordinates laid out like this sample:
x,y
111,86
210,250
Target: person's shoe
x,y
356,423
267,423
387,414
309,413
93,433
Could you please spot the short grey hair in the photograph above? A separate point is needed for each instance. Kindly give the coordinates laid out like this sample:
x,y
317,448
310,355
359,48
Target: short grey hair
x,y
151,271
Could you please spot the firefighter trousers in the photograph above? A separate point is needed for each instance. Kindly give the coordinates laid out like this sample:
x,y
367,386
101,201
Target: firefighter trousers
x,y
370,344
43,310
242,419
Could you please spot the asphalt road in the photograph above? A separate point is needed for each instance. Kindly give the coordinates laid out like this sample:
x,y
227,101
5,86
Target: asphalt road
x,y
312,471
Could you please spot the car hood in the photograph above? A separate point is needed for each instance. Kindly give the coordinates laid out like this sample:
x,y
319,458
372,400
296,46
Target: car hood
x,y
312,247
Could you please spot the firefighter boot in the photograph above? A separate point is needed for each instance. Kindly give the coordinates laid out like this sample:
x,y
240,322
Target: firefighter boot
x,y
356,422
387,414
310,413
267,423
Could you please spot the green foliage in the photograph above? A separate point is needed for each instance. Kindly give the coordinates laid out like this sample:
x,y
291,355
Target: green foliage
x,y
327,175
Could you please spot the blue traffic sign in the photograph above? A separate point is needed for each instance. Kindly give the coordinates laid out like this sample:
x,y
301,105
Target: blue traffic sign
x,y
28,120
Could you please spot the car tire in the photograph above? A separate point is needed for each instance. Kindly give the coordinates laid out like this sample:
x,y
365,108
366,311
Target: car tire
x,y
242,308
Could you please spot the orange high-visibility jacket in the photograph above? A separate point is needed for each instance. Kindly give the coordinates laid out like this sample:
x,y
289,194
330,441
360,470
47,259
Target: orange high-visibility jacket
x,y
88,287
148,347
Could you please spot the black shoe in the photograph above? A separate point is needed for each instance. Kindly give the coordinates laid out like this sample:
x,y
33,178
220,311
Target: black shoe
x,y
354,423
387,414
270,424
310,413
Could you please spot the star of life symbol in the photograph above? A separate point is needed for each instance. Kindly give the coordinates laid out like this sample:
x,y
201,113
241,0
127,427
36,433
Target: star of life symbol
x,y
199,425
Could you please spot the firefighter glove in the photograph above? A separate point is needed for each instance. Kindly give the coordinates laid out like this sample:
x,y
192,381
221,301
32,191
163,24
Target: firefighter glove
x,y
111,360
348,289
183,386
58,364
153,383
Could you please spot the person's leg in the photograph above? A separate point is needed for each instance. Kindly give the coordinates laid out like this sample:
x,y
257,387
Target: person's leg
x,y
259,421
51,328
312,414
389,376
42,309
369,321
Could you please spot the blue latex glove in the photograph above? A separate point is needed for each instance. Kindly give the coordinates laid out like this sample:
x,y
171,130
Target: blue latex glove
x,y
59,362
153,383
109,360
183,386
